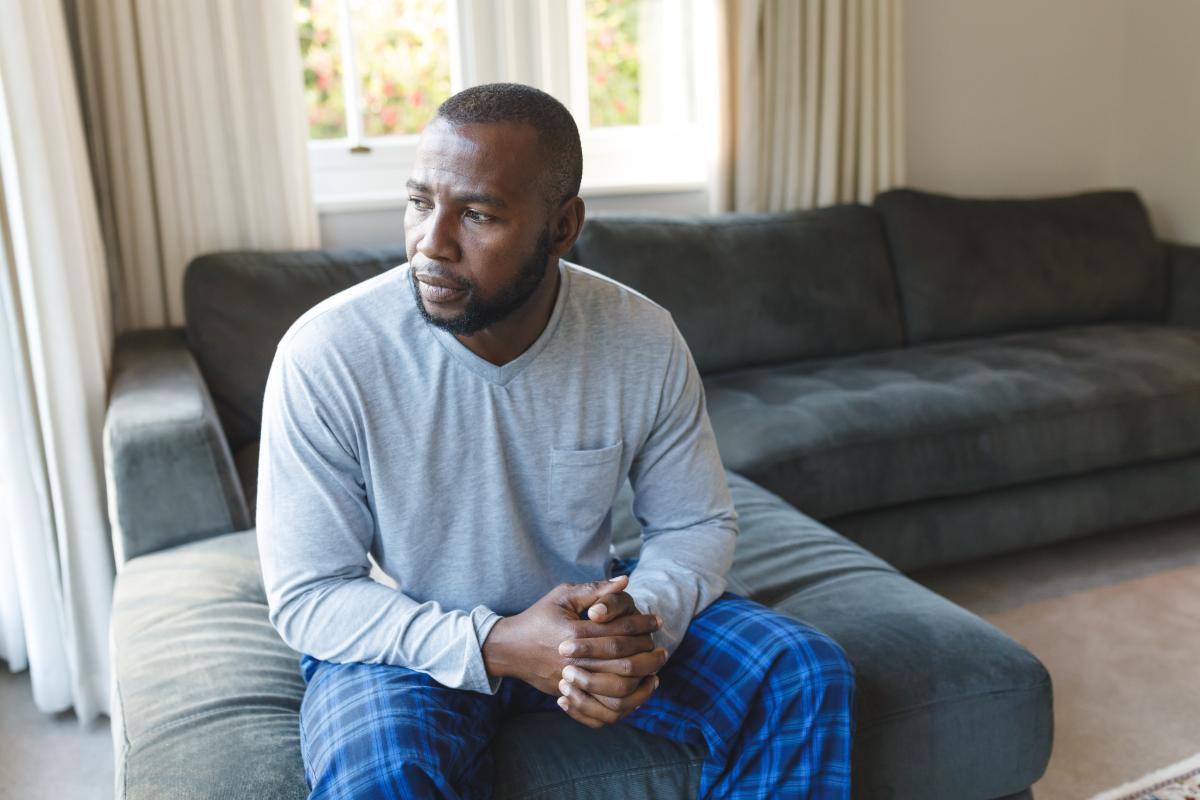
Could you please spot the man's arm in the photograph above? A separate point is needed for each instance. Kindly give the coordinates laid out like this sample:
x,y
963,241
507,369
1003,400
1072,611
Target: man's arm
x,y
689,527
314,533
682,500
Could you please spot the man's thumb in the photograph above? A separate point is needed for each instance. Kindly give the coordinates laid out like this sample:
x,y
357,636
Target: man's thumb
x,y
583,596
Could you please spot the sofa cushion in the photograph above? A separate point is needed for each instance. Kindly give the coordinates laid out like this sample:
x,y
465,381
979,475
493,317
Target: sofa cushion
x,y
751,289
208,699
245,461
947,706
208,696
239,305
968,267
840,436
1184,263
949,530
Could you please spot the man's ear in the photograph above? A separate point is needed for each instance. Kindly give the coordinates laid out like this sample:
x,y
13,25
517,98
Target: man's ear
x,y
567,223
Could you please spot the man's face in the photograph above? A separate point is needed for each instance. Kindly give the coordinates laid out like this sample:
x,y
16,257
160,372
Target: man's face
x,y
476,227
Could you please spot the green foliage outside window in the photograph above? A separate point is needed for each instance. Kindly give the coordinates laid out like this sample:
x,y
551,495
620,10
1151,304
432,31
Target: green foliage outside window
x,y
403,59
316,22
612,61
402,53
403,49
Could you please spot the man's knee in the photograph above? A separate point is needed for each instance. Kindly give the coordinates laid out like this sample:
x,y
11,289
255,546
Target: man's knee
x,y
808,654
346,774
356,717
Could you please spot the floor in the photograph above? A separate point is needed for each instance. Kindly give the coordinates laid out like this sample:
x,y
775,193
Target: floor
x,y
1116,620
49,756
1114,617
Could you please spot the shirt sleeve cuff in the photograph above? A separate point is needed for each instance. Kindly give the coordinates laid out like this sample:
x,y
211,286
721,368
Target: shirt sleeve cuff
x,y
483,618
646,604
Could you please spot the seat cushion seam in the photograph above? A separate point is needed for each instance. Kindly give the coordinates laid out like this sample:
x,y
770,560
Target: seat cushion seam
x,y
960,699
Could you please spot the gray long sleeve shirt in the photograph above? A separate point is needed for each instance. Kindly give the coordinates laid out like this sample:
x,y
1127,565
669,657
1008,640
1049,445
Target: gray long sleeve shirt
x,y
475,487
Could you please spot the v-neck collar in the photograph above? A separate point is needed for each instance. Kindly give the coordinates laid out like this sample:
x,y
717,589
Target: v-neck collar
x,y
503,373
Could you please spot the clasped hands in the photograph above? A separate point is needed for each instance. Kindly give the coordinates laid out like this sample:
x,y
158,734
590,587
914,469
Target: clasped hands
x,y
604,667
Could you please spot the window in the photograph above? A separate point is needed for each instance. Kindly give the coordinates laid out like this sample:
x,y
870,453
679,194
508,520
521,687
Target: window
x,y
613,61
388,82
376,70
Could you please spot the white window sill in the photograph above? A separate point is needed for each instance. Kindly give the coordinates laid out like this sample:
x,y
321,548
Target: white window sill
x,y
351,204
631,161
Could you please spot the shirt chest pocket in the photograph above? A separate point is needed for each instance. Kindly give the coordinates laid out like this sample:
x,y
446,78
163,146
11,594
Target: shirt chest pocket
x,y
582,486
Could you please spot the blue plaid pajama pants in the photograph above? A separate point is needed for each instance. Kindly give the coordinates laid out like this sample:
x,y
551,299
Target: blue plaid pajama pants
x,y
771,698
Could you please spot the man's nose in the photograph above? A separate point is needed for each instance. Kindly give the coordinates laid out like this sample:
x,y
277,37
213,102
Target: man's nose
x,y
437,241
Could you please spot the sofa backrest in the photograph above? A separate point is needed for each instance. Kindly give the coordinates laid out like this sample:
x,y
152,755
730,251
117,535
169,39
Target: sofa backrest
x,y
239,305
755,289
974,267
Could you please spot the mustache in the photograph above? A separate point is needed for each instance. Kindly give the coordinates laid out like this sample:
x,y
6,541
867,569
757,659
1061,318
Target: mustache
x,y
440,274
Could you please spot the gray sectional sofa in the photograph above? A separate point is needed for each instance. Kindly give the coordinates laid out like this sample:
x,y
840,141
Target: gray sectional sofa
x,y
919,382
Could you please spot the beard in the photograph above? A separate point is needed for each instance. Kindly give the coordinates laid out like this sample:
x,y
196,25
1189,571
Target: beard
x,y
482,312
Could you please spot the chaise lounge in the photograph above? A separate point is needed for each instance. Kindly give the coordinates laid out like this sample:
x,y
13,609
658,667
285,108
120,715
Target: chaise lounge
x,y
920,382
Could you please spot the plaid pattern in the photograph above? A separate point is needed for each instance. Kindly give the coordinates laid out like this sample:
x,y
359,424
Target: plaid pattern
x,y
771,698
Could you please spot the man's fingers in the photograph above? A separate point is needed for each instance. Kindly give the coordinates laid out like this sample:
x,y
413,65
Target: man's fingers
x,y
605,709
638,664
606,646
592,713
626,705
601,683
580,596
628,625
580,701
612,606
575,714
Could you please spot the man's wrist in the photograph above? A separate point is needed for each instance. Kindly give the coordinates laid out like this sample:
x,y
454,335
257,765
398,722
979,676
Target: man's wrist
x,y
495,650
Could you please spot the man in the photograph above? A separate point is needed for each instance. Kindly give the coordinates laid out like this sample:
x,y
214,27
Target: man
x,y
466,420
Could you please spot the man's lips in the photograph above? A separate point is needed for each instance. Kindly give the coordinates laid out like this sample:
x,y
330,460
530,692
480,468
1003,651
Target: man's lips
x,y
438,290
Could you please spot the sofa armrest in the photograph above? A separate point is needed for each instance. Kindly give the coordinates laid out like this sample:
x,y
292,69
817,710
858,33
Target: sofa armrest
x,y
167,464
1184,305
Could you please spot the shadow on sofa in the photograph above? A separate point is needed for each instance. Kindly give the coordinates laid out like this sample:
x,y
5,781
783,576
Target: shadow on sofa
x,y
934,378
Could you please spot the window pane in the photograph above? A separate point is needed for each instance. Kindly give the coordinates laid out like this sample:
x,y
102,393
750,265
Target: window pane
x,y
612,61
403,58
317,24
639,61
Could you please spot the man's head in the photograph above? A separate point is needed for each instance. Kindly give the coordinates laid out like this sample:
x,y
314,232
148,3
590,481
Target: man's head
x,y
493,203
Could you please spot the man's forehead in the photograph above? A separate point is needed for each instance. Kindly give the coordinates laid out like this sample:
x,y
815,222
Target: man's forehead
x,y
478,149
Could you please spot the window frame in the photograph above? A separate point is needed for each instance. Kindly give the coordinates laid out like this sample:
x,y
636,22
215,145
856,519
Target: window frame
x,y
527,41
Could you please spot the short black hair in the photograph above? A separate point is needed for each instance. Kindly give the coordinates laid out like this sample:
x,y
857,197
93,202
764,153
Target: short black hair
x,y
515,102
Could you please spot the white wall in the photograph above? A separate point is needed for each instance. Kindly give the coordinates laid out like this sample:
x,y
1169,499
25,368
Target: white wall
x,y
1026,97
374,227
1158,143
1011,97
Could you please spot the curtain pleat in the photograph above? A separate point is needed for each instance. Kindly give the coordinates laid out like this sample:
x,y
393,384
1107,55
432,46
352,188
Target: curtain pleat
x,y
55,345
830,122
813,103
198,138
803,192
181,130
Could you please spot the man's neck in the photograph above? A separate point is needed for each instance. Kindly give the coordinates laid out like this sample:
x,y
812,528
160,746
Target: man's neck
x,y
507,339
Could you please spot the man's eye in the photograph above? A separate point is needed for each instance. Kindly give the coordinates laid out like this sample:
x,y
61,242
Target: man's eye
x,y
476,216
420,204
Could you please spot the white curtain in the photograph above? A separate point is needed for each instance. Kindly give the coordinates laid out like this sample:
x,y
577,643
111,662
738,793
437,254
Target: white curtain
x,y
55,339
812,107
198,135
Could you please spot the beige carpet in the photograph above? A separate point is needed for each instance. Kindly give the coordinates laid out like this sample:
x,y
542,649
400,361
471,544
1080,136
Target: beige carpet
x,y
1125,661
49,756
1179,781
1117,623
